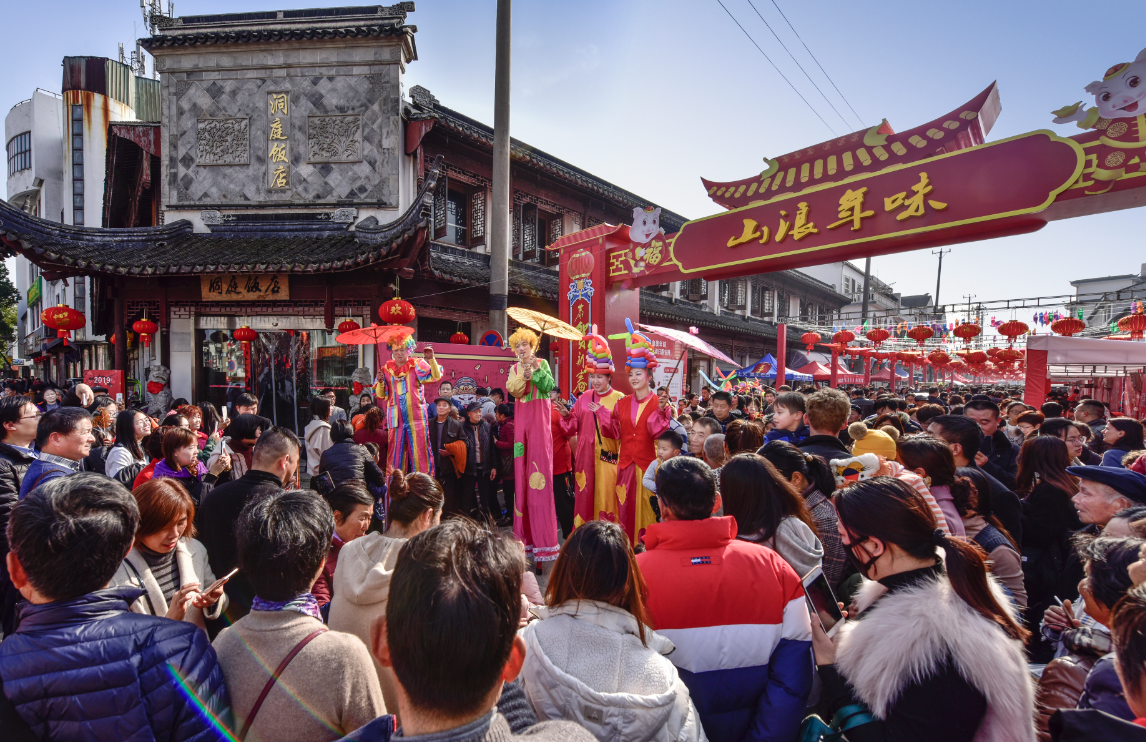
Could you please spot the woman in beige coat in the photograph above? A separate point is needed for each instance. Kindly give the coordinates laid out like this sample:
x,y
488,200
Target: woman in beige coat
x,y
166,562
365,565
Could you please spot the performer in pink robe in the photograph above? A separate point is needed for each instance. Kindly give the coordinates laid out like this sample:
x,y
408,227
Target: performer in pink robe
x,y
595,460
535,513
637,420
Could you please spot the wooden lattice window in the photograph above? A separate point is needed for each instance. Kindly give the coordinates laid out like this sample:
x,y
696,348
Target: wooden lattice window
x,y
477,213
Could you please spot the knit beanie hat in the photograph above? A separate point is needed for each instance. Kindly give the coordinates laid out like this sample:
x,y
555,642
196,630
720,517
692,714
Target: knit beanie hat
x,y
872,441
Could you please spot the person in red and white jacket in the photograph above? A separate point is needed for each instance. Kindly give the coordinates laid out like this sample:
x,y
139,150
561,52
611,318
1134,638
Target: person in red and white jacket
x,y
735,611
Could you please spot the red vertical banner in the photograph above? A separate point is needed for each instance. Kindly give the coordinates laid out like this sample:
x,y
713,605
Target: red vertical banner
x,y
781,353
1036,383
583,298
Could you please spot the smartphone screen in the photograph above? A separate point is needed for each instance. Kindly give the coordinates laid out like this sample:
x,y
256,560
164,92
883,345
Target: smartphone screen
x,y
823,601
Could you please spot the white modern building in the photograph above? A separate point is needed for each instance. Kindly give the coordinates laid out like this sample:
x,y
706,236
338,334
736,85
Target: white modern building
x,y
57,159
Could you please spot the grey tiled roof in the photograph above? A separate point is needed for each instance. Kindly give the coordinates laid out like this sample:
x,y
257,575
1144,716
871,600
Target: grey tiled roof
x,y
462,266
276,245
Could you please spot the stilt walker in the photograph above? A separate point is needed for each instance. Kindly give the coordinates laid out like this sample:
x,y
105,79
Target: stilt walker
x,y
595,460
637,420
401,381
535,514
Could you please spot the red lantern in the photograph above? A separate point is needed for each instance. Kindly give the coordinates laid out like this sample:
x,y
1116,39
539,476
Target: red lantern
x,y
397,312
244,334
1013,329
146,328
809,339
1135,324
459,338
967,331
976,356
843,337
347,325
1067,326
63,319
877,336
581,264
938,358
920,333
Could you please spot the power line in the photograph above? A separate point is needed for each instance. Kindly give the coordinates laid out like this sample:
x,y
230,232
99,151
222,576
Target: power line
x,y
813,56
785,48
778,72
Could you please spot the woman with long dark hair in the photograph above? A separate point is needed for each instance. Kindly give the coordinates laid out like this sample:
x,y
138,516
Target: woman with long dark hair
x,y
131,427
365,565
769,511
1122,435
1049,521
813,479
931,459
594,650
934,654
972,497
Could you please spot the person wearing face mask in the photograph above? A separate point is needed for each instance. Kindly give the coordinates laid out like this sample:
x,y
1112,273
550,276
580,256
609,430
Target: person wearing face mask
x,y
933,653
595,459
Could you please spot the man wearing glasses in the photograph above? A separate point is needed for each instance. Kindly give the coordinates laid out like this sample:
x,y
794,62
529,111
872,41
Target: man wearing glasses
x,y
18,420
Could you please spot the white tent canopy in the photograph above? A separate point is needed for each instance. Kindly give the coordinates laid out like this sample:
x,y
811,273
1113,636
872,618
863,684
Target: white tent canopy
x,y
1085,358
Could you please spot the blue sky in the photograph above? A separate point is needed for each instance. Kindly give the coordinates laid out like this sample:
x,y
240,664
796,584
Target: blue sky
x,y
652,95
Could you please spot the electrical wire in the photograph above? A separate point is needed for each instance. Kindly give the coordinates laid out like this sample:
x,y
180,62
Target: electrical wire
x,y
793,56
813,56
778,72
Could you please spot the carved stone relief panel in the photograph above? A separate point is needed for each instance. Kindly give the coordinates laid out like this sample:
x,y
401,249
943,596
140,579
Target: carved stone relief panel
x,y
222,142
334,138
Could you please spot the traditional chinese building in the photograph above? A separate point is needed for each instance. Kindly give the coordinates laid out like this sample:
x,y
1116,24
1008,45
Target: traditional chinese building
x,y
290,185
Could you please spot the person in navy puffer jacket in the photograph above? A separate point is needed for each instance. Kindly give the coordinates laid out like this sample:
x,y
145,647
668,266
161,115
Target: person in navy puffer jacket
x,y
81,665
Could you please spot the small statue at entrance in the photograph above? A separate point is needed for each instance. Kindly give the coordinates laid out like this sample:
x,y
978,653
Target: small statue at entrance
x,y
535,513
158,391
400,388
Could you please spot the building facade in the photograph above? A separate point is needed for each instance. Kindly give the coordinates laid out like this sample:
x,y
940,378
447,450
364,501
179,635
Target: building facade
x,y
291,184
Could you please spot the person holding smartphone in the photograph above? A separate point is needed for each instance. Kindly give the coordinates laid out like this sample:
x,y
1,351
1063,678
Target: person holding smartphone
x,y
934,654
166,560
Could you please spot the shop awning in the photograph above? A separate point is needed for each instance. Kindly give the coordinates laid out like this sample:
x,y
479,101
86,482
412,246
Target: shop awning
x,y
765,370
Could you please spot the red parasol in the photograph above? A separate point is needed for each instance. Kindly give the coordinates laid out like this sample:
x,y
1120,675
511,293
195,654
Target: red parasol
x,y
375,334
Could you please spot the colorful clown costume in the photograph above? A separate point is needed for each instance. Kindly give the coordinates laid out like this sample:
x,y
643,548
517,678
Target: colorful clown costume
x,y
595,460
401,388
535,512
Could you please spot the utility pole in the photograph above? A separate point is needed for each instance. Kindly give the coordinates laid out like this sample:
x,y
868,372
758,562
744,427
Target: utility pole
x,y
939,275
500,224
866,289
969,297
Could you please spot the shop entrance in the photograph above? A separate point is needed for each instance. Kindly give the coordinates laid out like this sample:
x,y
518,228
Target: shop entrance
x,y
283,369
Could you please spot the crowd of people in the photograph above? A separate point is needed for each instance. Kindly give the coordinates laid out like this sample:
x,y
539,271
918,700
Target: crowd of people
x,y
737,564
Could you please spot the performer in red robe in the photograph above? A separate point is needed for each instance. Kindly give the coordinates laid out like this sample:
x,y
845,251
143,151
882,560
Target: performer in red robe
x,y
637,420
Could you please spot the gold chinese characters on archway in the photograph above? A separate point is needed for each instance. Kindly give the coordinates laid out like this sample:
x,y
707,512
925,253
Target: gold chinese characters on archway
x,y
246,287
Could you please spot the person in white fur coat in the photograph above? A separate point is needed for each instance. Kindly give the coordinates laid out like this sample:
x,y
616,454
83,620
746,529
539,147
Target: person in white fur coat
x,y
933,653
592,658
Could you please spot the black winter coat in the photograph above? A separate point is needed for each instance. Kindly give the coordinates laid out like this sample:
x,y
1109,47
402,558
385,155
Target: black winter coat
x,y
347,460
217,518
13,464
1002,458
118,667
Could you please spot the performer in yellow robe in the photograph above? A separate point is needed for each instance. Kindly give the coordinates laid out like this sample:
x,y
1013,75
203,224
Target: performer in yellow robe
x,y
595,460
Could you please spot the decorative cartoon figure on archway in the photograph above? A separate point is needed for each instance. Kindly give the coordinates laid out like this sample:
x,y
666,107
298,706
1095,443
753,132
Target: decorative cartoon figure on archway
x,y
638,419
535,513
647,238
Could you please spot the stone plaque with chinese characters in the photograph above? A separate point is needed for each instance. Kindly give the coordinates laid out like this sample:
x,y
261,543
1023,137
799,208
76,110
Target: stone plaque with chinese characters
x,y
278,141
246,287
